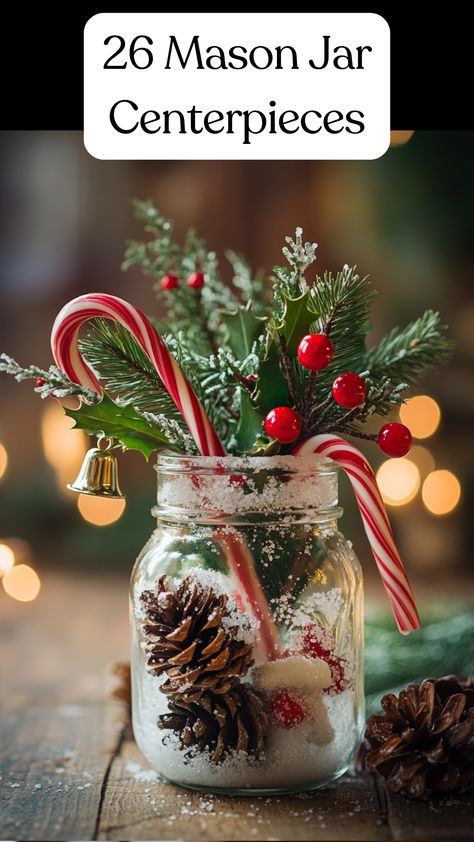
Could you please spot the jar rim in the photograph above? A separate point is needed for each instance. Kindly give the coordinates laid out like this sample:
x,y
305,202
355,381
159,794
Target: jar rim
x,y
314,463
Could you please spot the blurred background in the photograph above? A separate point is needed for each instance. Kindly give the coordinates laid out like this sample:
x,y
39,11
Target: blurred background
x,y
406,219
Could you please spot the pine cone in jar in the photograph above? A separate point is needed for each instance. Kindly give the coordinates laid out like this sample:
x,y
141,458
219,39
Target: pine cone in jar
x,y
235,720
192,636
423,742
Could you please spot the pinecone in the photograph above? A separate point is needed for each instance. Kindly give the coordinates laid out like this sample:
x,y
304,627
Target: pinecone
x,y
423,742
235,720
193,639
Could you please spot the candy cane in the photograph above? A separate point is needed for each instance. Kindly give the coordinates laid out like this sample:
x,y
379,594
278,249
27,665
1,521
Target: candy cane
x,y
236,549
376,524
64,344
66,353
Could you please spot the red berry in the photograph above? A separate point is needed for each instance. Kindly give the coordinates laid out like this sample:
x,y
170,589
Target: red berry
x,y
287,710
315,351
40,381
169,282
196,280
394,439
340,673
349,390
317,641
283,424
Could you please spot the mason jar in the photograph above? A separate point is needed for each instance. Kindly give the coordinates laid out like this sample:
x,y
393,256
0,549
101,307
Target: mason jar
x,y
247,627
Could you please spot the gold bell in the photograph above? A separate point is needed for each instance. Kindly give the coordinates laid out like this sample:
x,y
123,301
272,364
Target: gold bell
x,y
98,475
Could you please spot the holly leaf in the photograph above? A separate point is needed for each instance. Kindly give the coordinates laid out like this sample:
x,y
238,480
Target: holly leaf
x,y
298,316
119,422
242,327
272,386
249,428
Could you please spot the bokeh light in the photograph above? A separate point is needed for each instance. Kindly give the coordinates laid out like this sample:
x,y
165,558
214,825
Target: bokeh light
x,y
423,459
399,481
441,492
399,138
7,559
3,460
422,415
100,511
64,448
22,583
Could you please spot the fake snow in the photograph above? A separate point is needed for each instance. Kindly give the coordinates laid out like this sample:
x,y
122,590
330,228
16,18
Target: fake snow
x,y
292,757
235,484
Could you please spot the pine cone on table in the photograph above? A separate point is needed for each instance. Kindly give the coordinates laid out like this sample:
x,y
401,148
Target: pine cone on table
x,y
423,742
235,720
190,637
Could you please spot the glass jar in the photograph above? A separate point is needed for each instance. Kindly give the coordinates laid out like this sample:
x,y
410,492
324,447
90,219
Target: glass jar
x,y
247,627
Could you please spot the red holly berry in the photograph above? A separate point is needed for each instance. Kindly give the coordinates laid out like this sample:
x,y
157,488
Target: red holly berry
x,y
287,709
315,351
283,424
40,381
394,439
340,673
349,390
169,282
196,280
317,641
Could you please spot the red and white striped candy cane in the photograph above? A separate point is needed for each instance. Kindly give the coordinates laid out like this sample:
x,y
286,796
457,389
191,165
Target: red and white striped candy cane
x,y
66,353
376,524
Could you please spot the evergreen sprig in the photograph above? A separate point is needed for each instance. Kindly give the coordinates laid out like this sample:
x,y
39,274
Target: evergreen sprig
x,y
237,345
125,371
411,353
56,384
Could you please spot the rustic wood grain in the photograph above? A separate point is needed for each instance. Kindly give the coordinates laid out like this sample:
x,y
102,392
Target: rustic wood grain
x,y
53,762
137,808
67,771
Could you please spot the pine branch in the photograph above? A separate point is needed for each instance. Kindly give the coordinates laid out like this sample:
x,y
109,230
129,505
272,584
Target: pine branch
x,y
175,435
411,353
290,281
125,370
56,383
195,313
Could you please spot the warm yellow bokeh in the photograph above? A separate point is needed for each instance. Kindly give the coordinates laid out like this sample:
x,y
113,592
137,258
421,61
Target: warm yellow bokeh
x,y
7,559
399,138
22,583
399,481
3,460
421,415
64,448
99,510
441,492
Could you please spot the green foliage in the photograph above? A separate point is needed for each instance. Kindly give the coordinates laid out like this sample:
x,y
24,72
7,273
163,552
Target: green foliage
x,y
297,317
238,348
242,329
125,370
443,645
249,428
411,353
56,384
122,424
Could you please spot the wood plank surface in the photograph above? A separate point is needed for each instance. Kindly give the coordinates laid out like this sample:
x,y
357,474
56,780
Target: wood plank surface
x,y
68,771
53,765
137,807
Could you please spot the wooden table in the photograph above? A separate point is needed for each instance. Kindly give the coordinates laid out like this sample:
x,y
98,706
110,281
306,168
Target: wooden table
x,y
70,772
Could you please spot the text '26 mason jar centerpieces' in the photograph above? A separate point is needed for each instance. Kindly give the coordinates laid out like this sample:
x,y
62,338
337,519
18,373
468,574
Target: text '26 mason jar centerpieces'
x,y
247,600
